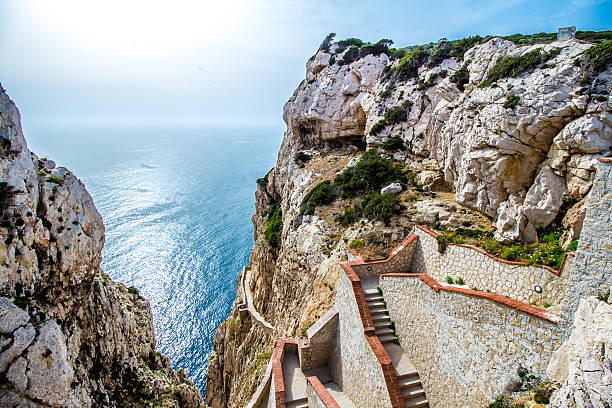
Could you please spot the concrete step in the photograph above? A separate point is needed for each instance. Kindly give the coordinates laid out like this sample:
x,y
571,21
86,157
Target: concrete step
x,y
408,374
379,324
409,381
383,331
381,318
298,403
376,304
378,310
371,292
242,307
413,391
387,338
417,402
374,297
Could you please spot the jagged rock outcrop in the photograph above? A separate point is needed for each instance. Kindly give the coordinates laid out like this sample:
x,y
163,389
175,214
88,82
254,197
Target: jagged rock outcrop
x,y
509,153
69,335
583,364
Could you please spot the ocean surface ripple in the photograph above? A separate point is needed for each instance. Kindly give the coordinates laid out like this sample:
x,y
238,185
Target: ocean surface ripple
x,y
176,204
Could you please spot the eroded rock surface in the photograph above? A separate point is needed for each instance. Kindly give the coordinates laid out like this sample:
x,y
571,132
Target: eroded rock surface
x,y
69,335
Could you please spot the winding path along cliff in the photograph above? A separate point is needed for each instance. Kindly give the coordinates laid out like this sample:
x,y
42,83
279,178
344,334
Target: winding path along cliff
x,y
69,335
498,147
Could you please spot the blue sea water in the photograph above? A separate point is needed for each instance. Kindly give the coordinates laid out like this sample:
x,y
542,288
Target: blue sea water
x,y
176,204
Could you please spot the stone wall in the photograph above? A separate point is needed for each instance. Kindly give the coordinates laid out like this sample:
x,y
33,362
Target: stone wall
x,y
399,260
486,273
592,271
466,348
318,396
353,364
315,352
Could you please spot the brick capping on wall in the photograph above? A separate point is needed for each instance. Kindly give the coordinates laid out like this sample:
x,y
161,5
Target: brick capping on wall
x,y
482,251
277,371
264,386
605,159
504,300
354,253
389,373
322,392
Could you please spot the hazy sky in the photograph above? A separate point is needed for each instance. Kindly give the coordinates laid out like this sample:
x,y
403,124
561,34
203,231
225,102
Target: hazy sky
x,y
223,62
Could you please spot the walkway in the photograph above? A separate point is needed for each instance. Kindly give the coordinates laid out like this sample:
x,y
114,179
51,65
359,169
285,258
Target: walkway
x,y
247,300
408,377
295,383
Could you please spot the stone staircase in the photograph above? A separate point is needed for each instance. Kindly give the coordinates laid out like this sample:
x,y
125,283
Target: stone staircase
x,y
408,377
298,403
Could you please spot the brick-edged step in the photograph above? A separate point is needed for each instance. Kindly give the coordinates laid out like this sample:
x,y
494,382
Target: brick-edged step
x,y
378,311
371,292
374,297
298,403
383,331
376,303
387,338
417,402
381,318
413,391
408,379
382,323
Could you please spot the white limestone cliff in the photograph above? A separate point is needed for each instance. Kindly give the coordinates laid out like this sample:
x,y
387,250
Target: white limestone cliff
x,y
69,335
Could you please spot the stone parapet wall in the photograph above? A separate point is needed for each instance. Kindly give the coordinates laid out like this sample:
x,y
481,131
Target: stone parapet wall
x,y
487,273
466,348
399,260
353,363
318,396
592,271
314,352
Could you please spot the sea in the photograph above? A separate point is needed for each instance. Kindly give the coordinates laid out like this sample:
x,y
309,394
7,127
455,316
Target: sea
x,y
177,205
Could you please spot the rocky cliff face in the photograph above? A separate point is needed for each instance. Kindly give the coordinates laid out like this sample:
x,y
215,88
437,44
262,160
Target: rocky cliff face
x,y
497,146
69,335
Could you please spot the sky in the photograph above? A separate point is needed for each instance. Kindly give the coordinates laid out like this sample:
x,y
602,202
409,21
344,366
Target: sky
x,y
224,62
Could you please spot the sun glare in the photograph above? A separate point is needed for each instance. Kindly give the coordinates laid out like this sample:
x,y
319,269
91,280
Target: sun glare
x,y
140,28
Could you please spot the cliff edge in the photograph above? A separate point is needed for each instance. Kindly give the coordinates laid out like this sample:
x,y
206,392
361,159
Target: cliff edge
x,y
481,137
69,335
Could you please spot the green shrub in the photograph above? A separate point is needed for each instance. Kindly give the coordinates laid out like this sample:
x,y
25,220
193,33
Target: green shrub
x,y
594,36
381,207
393,143
409,65
546,304
411,198
604,296
358,243
56,180
379,289
573,246
461,77
327,42
460,281
350,215
385,93
511,101
321,194
274,227
393,116
511,67
449,280
542,393
133,290
371,173
596,60
513,253
301,157
263,182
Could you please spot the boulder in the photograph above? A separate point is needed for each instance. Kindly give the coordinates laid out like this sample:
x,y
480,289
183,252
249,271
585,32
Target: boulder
x,y
392,188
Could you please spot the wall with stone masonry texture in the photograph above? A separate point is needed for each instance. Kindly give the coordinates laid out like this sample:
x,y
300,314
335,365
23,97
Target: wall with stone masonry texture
x,y
485,273
314,400
592,270
320,336
466,349
353,363
399,263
